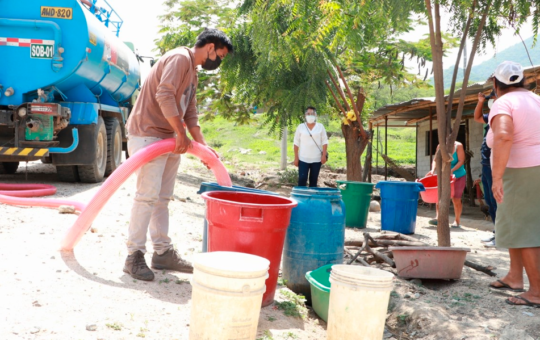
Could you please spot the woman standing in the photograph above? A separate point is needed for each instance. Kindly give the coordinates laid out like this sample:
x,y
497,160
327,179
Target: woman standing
x,y
458,170
310,144
514,139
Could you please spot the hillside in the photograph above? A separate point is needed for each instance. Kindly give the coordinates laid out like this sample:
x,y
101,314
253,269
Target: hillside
x,y
482,71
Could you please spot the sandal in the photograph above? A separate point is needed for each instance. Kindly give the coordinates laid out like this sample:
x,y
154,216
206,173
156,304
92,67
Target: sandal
x,y
527,302
505,287
454,225
433,221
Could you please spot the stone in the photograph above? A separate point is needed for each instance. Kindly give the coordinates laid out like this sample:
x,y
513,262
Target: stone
x,y
66,209
35,330
92,327
262,152
374,206
387,334
407,295
417,295
417,282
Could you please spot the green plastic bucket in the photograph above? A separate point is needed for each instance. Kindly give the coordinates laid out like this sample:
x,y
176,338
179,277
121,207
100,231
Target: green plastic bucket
x,y
319,280
356,196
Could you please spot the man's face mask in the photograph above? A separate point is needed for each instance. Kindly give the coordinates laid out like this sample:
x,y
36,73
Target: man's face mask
x,y
210,64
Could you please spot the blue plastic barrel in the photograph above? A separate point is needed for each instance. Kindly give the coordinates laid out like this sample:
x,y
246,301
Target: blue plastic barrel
x,y
207,186
399,204
316,235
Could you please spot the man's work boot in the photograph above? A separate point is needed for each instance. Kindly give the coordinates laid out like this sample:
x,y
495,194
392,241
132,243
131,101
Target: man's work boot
x,y
137,268
171,260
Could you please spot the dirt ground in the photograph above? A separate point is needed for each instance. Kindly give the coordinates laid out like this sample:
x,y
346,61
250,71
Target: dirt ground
x,y
47,294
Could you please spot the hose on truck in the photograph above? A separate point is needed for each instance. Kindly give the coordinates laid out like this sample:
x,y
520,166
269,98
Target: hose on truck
x,y
19,194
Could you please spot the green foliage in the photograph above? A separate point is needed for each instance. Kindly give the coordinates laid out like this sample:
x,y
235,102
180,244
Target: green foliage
x,y
288,176
294,305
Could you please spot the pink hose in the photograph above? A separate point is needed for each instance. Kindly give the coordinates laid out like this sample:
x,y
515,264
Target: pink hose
x,y
109,187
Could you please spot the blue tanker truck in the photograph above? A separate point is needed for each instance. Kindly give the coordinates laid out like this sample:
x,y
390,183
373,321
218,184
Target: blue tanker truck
x,y
67,84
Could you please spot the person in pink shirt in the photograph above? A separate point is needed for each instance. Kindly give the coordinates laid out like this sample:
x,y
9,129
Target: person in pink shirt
x,y
514,139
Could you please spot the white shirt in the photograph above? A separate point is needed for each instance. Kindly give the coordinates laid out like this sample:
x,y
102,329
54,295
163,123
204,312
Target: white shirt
x,y
309,152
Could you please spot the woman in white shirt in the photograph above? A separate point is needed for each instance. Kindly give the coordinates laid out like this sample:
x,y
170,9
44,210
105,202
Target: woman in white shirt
x,y
310,144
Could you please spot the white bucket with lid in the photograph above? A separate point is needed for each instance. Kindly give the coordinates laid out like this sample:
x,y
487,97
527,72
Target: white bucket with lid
x,y
227,294
358,302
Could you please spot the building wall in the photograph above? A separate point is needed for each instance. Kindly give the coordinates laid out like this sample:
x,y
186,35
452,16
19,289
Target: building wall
x,y
476,132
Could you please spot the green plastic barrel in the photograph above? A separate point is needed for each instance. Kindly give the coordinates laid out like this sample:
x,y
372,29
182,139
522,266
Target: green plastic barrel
x,y
356,196
319,280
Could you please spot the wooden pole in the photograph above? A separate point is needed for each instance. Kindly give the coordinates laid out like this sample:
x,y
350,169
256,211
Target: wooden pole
x,y
377,160
430,136
386,147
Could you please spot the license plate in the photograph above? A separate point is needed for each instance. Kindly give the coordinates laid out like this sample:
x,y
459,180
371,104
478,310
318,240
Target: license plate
x,y
56,12
41,51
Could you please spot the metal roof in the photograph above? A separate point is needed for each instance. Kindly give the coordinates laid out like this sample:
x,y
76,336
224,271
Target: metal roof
x,y
418,109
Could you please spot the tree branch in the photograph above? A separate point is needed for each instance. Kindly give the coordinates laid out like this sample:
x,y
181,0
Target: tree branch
x,y
337,101
477,37
358,119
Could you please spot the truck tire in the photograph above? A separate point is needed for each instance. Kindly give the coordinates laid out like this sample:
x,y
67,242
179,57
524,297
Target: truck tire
x,y
67,173
114,145
8,168
94,172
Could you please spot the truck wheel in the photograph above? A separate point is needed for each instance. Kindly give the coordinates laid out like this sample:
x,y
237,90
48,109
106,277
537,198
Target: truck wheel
x,y
114,145
94,172
8,168
67,173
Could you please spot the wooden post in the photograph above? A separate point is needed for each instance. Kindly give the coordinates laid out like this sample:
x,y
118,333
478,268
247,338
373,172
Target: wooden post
x,y
416,154
430,137
386,147
377,160
468,165
370,152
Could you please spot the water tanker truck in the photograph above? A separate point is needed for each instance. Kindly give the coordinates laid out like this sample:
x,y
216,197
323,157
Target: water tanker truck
x,y
67,84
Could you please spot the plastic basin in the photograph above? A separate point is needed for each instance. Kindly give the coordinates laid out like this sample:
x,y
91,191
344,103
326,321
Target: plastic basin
x,y
251,224
430,262
356,196
399,204
319,279
431,195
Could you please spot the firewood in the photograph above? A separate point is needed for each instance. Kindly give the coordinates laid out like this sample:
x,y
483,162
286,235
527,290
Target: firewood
x,y
480,268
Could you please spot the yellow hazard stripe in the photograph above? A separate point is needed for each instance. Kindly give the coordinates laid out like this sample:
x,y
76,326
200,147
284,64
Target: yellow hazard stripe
x,y
23,152
42,152
10,151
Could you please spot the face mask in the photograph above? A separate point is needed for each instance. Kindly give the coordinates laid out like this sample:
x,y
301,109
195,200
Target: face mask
x,y
311,119
211,65
490,103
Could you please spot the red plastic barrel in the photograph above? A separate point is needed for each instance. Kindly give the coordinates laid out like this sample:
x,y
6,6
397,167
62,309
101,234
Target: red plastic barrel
x,y
252,224
431,195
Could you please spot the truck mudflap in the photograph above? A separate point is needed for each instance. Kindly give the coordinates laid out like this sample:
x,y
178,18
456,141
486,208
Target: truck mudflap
x,y
86,150
24,152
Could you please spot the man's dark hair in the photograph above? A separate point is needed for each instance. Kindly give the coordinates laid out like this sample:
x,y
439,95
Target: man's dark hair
x,y
503,87
216,37
311,108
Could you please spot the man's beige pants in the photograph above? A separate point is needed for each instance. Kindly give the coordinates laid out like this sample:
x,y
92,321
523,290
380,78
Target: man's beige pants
x,y
155,188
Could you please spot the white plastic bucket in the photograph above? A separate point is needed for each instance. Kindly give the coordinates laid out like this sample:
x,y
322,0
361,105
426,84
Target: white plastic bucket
x,y
227,295
358,302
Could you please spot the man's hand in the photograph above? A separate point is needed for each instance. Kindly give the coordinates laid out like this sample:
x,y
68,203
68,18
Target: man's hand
x,y
429,173
183,143
497,189
296,162
481,98
323,159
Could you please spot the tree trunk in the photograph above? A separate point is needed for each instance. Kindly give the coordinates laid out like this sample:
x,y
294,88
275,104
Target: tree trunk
x,y
366,176
354,147
443,228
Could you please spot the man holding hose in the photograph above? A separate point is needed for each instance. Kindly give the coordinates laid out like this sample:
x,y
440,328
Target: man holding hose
x,y
165,107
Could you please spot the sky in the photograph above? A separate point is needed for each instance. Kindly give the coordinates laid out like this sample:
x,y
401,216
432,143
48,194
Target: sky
x,y
141,26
